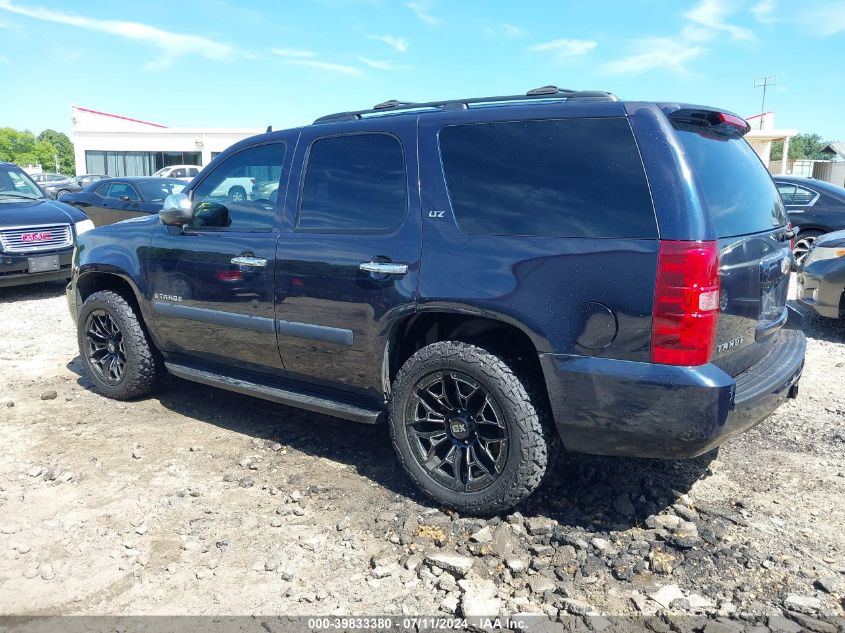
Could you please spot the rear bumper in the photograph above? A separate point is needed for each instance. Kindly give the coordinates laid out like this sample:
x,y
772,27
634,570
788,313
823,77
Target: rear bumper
x,y
820,287
14,269
612,407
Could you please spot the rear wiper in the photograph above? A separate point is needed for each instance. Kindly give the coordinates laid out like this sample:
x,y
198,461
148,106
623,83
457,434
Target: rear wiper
x,y
7,194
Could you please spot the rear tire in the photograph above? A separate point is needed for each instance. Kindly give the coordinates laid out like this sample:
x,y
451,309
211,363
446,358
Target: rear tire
x,y
116,351
496,433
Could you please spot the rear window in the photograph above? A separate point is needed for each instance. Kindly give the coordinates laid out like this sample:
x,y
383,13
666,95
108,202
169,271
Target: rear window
x,y
737,189
550,178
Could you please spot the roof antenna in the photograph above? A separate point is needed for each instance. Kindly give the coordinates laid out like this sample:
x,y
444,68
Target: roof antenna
x,y
269,128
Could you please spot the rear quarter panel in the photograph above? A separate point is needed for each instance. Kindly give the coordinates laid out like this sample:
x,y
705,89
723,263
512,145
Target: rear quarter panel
x,y
553,289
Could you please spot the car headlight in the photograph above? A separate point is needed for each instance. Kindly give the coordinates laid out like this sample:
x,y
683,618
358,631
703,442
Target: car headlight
x,y
83,227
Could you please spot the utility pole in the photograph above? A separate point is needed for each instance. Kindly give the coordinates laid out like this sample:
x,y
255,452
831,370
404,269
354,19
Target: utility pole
x,y
764,82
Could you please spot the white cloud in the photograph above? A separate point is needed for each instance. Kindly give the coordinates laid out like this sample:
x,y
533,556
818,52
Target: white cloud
x,y
328,66
712,13
511,30
420,10
378,64
170,44
650,53
763,10
826,18
565,48
293,52
672,53
399,43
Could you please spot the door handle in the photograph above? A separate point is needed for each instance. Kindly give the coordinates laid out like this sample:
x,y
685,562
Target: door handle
x,y
384,268
257,262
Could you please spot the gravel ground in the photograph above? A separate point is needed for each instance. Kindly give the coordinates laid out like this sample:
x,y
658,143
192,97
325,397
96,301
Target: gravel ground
x,y
200,502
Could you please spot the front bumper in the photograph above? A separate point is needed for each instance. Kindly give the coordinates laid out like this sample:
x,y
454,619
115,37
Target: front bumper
x,y
14,268
821,286
614,407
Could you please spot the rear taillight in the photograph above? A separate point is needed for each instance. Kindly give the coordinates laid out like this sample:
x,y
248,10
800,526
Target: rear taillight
x,y
791,234
686,303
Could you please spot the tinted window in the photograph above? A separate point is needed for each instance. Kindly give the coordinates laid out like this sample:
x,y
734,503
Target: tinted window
x,y
193,171
177,173
228,198
735,186
158,190
354,184
103,189
803,196
787,193
556,178
120,190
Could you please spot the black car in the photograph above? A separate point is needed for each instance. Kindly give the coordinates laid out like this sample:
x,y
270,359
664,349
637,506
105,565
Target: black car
x,y
36,234
115,199
814,206
490,277
57,188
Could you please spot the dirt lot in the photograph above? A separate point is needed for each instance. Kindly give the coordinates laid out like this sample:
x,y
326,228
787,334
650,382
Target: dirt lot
x,y
204,502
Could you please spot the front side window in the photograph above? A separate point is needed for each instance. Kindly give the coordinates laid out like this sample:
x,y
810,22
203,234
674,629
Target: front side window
x,y
228,197
178,173
354,184
580,177
120,190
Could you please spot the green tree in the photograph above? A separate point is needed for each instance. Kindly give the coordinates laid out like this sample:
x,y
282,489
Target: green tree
x,y
802,147
24,148
63,150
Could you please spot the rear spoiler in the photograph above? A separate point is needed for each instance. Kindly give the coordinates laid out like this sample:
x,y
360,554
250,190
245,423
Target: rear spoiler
x,y
714,121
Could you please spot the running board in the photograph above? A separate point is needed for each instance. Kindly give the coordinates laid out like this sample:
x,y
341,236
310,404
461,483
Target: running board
x,y
309,402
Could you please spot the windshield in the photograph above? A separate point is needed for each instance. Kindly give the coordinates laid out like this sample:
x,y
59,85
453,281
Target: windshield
x,y
158,191
14,183
735,186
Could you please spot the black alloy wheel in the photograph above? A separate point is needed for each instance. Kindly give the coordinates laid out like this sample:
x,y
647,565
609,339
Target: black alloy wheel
x,y
457,431
105,347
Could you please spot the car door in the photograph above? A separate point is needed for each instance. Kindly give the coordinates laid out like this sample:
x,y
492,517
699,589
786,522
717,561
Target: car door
x,y
121,202
212,282
348,259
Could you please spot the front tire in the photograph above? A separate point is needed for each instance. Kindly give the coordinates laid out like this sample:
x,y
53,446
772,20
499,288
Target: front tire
x,y
237,194
116,351
467,430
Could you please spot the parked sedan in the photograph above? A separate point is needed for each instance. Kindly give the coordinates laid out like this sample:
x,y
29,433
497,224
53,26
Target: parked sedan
x,y
821,280
816,207
57,188
116,199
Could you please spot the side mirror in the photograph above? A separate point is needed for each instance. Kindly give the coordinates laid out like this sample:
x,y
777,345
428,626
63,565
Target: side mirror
x,y
176,210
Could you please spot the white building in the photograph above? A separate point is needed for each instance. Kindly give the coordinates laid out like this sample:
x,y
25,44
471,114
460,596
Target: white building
x,y
121,146
763,133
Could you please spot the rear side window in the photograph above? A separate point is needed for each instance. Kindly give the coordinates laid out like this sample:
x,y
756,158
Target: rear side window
x,y
552,178
735,186
354,184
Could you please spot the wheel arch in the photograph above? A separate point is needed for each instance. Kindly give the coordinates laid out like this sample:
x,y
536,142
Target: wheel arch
x,y
513,343
91,279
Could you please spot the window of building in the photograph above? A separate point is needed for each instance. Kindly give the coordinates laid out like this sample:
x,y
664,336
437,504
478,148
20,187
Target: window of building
x,y
354,184
122,164
578,177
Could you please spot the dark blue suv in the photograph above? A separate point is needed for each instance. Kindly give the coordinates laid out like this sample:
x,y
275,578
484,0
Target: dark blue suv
x,y
491,277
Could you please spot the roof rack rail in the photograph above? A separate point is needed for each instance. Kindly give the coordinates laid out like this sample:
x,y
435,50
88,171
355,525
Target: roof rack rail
x,y
395,106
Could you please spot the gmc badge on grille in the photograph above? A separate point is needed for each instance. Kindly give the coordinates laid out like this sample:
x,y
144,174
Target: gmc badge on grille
x,y
44,236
